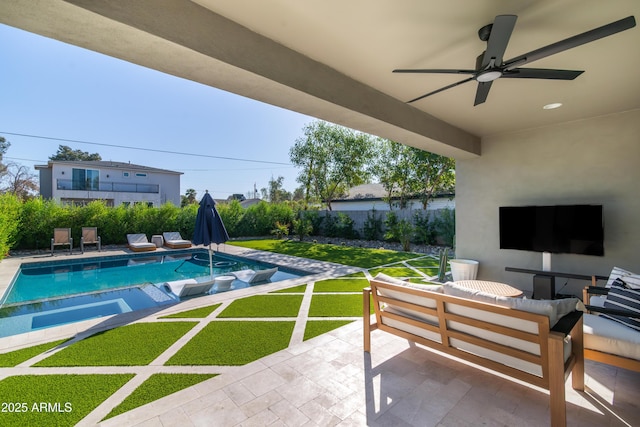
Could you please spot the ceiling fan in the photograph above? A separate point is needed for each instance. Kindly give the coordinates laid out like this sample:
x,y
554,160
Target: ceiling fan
x,y
490,66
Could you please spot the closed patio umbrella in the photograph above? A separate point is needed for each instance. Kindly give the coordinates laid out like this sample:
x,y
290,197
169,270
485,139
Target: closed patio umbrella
x,y
209,227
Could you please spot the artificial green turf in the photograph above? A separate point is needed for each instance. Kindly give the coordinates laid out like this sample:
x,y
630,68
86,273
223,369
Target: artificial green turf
x,y
394,271
424,262
319,327
358,257
295,290
336,306
136,344
156,387
429,271
341,285
234,343
16,357
264,306
358,274
55,400
196,313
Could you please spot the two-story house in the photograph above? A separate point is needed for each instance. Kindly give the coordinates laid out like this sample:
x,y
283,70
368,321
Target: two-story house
x,y
80,182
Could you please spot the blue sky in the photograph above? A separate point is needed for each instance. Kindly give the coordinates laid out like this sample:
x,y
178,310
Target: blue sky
x,y
55,90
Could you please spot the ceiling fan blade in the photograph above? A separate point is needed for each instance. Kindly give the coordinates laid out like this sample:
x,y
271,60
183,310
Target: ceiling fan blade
x,y
482,92
441,89
541,73
434,71
498,40
571,42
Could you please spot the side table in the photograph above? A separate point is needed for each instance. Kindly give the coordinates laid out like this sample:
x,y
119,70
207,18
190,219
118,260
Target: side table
x,y
157,240
494,288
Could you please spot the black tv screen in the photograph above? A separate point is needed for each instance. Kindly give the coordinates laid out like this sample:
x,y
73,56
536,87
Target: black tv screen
x,y
574,229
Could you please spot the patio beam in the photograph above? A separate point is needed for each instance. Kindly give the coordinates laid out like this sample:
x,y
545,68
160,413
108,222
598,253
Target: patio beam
x,y
183,38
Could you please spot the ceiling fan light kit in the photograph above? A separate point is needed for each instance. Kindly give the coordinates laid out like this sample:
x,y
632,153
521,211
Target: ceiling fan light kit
x,y
490,65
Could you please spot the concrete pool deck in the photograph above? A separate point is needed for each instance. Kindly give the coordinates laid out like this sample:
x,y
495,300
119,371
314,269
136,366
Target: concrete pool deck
x,y
330,381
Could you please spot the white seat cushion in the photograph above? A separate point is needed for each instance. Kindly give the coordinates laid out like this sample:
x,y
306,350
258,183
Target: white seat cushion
x,y
611,337
553,309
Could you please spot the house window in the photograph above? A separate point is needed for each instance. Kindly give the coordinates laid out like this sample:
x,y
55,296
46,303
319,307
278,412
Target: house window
x,y
85,179
125,174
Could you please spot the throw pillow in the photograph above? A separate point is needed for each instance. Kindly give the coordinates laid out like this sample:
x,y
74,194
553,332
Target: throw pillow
x,y
553,309
621,297
631,279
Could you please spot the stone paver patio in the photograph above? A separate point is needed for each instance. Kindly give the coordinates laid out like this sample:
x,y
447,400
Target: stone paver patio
x,y
329,380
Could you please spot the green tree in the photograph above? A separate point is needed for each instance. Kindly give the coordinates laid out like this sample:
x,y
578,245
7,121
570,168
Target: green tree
x,y
393,165
435,174
18,180
4,146
276,190
10,211
188,198
406,172
67,153
333,158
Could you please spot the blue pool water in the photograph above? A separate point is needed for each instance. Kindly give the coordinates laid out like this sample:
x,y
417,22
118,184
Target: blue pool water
x,y
47,294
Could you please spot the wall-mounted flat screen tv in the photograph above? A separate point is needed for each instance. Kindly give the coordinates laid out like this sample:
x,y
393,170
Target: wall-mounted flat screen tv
x,y
574,229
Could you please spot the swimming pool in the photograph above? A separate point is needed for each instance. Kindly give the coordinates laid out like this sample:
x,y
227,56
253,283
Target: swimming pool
x,y
46,294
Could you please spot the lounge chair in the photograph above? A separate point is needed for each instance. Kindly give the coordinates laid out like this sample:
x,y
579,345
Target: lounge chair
x,y
251,276
188,287
140,243
174,240
90,237
62,236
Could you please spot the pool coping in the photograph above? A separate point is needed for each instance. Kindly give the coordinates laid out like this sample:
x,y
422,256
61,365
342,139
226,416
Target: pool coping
x,y
317,270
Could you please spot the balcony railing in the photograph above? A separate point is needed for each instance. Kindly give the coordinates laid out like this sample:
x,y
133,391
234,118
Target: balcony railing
x,y
120,187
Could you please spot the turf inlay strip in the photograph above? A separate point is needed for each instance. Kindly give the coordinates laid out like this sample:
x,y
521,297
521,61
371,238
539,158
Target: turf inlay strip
x,y
233,343
156,387
55,400
136,344
272,305
16,357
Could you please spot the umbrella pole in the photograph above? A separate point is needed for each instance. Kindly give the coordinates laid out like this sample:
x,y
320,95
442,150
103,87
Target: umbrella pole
x,y
210,263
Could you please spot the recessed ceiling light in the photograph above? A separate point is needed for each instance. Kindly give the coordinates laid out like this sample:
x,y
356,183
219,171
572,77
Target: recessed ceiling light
x,y
552,106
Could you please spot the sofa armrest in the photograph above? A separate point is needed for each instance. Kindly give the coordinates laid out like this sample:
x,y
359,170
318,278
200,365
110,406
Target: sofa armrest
x,y
566,323
597,290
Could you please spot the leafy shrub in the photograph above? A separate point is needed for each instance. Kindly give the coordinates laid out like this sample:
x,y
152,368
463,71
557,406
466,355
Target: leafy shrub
x,y
372,226
302,227
340,225
231,214
10,208
399,231
314,218
391,225
445,225
280,230
424,229
36,219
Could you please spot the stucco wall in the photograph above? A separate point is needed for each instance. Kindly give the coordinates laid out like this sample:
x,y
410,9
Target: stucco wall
x,y
595,161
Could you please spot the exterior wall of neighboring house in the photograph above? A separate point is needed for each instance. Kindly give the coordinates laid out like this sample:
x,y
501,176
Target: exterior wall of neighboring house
x,y
114,182
366,197
592,161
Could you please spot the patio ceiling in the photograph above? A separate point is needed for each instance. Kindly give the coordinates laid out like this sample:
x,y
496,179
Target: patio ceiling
x,y
332,59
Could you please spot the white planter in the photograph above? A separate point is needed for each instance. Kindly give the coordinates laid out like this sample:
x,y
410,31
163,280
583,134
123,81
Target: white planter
x,y
463,269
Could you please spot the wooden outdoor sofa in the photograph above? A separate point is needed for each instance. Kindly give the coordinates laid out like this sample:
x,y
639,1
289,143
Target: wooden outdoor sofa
x,y
536,341
607,338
